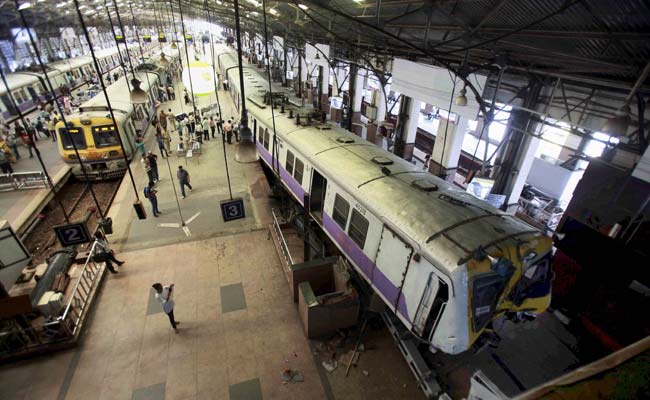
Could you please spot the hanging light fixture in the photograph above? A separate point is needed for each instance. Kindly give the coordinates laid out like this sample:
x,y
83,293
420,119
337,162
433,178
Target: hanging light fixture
x,y
619,123
138,96
163,60
461,99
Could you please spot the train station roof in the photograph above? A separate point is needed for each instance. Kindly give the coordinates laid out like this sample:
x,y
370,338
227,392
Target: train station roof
x,y
598,41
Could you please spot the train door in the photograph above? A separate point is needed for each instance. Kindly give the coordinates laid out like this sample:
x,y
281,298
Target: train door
x,y
317,195
32,93
9,105
392,262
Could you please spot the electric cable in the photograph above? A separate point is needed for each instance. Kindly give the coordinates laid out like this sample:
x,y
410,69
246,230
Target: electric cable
x,y
108,101
216,92
61,111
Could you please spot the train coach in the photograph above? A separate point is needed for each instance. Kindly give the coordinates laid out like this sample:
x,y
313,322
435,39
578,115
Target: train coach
x,y
92,129
447,264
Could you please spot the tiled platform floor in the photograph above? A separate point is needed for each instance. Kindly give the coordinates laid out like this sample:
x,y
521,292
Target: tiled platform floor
x,y
130,353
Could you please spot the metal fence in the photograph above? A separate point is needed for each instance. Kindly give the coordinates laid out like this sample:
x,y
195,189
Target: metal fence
x,y
283,244
23,180
19,336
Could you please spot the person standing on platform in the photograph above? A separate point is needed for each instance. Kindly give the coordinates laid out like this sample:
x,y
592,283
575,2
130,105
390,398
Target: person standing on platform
x,y
147,168
186,96
152,194
26,137
183,179
162,120
161,145
153,162
213,126
139,143
167,140
164,296
172,119
52,127
192,124
12,141
104,252
219,124
5,164
227,128
206,129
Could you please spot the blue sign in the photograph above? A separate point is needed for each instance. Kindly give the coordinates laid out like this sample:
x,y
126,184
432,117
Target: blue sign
x,y
72,234
232,209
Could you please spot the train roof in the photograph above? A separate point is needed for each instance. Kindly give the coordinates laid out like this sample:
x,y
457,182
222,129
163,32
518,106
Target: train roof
x,y
118,94
16,80
417,203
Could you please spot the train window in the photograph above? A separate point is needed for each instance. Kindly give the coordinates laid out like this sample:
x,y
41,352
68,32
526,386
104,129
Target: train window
x,y
105,136
358,228
266,138
289,163
260,135
297,173
18,95
68,135
341,211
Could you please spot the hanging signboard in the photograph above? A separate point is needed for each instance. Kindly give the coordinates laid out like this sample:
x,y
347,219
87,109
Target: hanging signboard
x,y
162,38
188,37
146,38
120,39
232,209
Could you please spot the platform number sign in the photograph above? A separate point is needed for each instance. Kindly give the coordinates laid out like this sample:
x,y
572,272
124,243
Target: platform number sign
x,y
72,234
232,209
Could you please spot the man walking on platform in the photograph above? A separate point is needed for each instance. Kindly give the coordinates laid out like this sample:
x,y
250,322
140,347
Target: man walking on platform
x,y
153,162
183,179
227,128
151,194
164,296
172,119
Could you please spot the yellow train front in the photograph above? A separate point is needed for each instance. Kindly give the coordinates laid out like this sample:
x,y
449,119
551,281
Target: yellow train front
x,y
97,145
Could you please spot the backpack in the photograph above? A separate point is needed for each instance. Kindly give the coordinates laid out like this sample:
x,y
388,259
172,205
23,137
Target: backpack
x,y
147,191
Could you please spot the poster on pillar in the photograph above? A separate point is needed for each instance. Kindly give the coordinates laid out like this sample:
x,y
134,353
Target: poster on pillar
x,y
317,55
434,86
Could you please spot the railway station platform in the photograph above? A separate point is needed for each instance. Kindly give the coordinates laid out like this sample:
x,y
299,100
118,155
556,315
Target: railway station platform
x,y
20,207
240,329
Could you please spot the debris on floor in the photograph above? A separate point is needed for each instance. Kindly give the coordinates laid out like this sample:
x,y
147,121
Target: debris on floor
x,y
330,365
292,376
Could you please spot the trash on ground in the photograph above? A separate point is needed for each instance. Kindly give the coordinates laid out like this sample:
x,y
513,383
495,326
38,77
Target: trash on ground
x,y
291,376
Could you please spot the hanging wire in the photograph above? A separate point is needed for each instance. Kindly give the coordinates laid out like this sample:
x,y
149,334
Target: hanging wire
x,y
137,36
49,83
126,45
216,91
21,116
187,57
108,101
268,72
119,52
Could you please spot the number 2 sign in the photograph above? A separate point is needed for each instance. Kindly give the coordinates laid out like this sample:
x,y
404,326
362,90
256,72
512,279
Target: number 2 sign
x,y
72,234
232,209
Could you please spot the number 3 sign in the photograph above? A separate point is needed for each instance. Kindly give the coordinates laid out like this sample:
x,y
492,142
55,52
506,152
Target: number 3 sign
x,y
232,209
72,234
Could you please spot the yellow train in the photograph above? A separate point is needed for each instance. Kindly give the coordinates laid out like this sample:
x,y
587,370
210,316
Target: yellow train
x,y
92,131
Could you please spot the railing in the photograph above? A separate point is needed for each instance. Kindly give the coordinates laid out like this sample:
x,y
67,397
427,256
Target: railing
x,y
21,337
81,293
23,180
283,243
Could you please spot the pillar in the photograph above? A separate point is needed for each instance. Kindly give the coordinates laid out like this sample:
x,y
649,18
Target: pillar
x,y
324,72
516,155
407,127
381,103
356,95
447,148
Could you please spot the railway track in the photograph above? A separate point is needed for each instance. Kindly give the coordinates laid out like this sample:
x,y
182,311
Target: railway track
x,y
77,201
